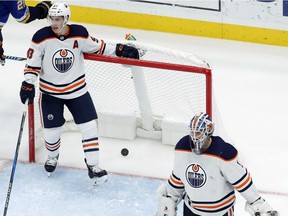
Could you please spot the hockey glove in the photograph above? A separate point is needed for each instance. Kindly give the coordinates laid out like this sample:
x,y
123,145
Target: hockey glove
x,y
27,92
167,207
260,208
167,204
2,56
44,6
126,51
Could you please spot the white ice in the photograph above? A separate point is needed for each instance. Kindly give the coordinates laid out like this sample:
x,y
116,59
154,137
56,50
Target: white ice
x,y
250,83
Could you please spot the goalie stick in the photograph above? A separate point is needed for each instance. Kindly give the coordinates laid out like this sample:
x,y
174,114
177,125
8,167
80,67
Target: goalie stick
x,y
15,161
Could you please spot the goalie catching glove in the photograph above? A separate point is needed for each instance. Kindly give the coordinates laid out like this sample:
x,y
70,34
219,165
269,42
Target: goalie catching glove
x,y
27,92
127,51
260,208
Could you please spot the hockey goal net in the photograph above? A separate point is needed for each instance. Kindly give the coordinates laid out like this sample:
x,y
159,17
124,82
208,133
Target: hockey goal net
x,y
154,97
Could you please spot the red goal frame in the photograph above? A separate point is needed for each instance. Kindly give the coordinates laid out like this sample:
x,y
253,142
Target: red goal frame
x,y
135,62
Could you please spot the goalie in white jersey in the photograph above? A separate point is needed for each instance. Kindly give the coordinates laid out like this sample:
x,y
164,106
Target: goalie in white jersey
x,y
206,175
56,57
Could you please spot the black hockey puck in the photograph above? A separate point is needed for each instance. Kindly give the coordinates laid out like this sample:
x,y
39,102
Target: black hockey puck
x,y
124,151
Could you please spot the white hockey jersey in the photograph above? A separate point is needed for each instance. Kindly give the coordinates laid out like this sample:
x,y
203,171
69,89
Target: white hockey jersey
x,y
59,62
210,179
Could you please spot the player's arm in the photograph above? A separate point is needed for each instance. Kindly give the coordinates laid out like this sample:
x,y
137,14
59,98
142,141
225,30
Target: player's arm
x,y
97,46
92,44
121,50
40,11
102,48
237,174
25,14
31,72
240,178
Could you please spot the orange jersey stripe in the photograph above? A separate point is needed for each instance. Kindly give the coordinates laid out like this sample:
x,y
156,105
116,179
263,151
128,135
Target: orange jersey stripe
x,y
216,206
91,144
29,70
79,83
101,47
176,182
244,183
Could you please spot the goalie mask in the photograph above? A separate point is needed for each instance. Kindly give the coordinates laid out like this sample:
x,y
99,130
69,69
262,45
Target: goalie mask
x,y
60,9
201,128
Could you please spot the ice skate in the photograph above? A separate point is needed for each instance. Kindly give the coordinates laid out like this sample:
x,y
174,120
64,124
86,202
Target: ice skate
x,y
99,176
50,164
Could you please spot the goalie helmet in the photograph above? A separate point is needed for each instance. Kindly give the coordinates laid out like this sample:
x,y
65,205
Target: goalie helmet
x,y
60,9
201,128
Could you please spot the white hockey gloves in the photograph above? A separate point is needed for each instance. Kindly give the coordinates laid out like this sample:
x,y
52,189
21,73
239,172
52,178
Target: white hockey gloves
x,y
167,207
167,204
260,208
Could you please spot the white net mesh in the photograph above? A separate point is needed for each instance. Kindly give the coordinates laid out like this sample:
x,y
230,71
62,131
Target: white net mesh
x,y
171,94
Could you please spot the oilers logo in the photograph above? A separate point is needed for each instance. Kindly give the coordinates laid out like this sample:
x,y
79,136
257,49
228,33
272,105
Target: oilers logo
x,y
195,175
63,60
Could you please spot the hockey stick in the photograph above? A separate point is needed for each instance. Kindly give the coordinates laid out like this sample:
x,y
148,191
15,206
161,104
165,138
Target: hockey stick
x,y
15,161
15,58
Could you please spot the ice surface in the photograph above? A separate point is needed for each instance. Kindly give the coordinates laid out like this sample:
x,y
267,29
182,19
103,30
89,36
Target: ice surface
x,y
70,192
250,88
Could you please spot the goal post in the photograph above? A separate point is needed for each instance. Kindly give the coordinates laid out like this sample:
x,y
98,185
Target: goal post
x,y
31,132
154,97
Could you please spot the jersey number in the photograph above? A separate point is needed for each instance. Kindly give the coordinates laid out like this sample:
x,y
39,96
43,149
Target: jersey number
x,y
20,4
30,53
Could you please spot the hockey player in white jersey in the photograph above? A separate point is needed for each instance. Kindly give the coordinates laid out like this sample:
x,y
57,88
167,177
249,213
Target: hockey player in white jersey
x,y
206,175
56,57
